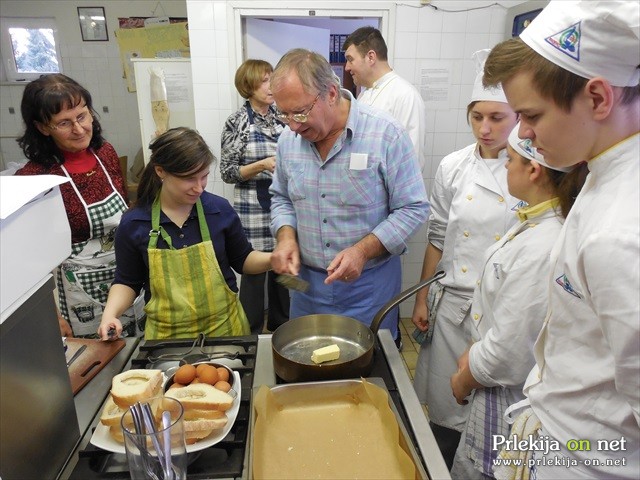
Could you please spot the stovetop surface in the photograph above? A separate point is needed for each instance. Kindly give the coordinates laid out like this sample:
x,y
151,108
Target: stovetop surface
x,y
226,459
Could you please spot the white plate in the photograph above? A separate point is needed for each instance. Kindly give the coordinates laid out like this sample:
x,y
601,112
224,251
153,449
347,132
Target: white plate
x,y
102,439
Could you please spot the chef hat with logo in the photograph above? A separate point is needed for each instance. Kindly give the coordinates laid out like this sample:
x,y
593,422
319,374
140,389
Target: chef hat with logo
x,y
589,38
480,93
524,147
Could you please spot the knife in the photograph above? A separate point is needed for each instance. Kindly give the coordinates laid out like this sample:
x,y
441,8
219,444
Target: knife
x,y
76,355
292,282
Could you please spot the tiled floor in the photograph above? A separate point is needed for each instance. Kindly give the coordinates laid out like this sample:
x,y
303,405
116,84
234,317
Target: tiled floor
x,y
410,348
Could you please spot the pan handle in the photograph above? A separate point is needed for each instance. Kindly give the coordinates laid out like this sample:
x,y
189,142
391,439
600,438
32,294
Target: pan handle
x,y
377,320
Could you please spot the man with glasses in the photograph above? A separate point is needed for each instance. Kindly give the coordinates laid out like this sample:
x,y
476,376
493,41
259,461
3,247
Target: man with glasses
x,y
347,194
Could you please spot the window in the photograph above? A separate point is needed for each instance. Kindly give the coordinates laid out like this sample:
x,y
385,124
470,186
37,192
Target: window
x,y
29,48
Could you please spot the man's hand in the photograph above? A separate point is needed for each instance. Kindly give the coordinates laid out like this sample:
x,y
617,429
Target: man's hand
x,y
286,256
347,266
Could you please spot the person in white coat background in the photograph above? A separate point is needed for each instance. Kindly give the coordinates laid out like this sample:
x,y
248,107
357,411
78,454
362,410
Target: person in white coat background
x,y
573,75
366,55
471,210
509,304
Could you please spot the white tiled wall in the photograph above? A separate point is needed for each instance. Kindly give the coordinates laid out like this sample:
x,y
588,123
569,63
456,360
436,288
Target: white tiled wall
x,y
421,34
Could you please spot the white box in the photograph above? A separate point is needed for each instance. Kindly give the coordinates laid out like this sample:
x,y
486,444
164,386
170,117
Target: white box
x,y
34,233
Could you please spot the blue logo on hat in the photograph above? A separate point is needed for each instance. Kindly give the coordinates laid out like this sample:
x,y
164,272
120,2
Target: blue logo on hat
x,y
567,41
563,281
527,146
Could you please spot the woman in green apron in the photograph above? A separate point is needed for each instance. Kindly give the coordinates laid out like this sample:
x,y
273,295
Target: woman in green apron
x,y
182,244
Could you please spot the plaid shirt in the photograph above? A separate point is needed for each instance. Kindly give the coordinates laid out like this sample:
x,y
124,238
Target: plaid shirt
x,y
333,206
244,143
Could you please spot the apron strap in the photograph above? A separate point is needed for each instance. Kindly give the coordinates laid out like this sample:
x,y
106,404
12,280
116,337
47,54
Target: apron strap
x,y
157,230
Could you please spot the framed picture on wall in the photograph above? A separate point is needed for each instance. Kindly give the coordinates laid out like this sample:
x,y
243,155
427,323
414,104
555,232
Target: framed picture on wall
x,y
93,24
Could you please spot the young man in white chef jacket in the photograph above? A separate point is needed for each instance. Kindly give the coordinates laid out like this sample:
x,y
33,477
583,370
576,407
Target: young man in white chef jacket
x,y
366,55
573,77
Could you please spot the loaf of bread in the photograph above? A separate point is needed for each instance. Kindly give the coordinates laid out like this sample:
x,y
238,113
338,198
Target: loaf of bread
x,y
201,396
133,386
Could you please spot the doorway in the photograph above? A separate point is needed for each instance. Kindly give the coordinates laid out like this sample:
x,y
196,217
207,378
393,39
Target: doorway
x,y
269,33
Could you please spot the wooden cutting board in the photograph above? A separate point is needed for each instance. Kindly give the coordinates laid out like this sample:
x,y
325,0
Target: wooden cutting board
x,y
91,360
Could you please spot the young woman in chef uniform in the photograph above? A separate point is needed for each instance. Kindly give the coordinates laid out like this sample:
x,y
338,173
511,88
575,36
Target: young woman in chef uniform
x,y
181,243
509,304
573,75
471,209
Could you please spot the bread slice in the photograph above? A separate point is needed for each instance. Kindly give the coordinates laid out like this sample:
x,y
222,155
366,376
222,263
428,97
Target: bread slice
x,y
202,424
196,413
112,413
192,437
201,396
116,433
136,385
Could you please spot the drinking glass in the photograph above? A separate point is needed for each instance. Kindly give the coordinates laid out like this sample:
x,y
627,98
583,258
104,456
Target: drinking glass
x,y
142,449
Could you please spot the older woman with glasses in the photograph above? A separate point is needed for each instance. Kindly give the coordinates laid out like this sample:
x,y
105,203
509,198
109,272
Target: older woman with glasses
x,y
248,160
63,137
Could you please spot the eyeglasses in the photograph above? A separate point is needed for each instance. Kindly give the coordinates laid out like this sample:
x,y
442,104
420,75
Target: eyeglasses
x,y
296,117
84,120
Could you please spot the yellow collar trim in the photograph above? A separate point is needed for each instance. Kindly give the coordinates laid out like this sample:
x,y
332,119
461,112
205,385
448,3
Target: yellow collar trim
x,y
529,212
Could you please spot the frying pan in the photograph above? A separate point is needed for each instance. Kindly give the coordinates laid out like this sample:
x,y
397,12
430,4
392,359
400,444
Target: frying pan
x,y
294,342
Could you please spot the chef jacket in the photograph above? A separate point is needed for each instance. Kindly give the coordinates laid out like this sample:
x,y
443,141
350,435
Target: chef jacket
x,y
587,384
395,95
509,304
471,209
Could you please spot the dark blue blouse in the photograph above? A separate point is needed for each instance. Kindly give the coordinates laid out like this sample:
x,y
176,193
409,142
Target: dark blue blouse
x,y
132,239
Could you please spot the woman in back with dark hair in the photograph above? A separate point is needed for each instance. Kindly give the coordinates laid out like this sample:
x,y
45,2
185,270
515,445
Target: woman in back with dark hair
x,y
181,243
63,137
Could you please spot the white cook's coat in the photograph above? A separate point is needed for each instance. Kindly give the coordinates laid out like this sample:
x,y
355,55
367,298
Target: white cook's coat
x,y
470,210
505,318
509,305
393,94
587,381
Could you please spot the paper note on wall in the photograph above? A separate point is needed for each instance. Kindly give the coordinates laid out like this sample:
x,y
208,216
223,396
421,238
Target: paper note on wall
x,y
168,41
435,84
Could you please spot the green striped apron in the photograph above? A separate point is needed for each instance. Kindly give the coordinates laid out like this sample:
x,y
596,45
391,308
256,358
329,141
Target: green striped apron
x,y
189,294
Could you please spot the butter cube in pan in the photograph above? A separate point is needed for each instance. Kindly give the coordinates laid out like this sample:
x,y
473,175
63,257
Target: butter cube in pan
x,y
326,354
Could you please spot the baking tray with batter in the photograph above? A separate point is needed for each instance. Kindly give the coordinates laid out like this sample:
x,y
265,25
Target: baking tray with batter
x,y
332,429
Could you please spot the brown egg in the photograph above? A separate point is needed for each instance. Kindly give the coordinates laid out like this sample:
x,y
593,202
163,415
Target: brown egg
x,y
185,374
200,368
208,375
223,374
222,385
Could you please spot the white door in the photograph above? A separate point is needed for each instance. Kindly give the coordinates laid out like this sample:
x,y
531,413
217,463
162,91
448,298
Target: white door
x,y
267,40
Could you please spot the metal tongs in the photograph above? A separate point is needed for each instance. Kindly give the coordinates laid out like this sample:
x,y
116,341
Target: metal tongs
x,y
144,423
202,356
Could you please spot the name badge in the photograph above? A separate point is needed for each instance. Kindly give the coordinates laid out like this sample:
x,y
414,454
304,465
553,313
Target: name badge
x,y
358,161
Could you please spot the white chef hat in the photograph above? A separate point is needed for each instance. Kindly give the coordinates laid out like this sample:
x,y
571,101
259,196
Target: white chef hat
x,y
524,147
480,93
589,38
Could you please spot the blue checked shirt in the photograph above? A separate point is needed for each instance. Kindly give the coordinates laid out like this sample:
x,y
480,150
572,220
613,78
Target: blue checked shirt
x,y
333,206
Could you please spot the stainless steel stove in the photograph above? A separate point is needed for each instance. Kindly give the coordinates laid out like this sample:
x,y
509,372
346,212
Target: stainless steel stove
x,y
251,356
